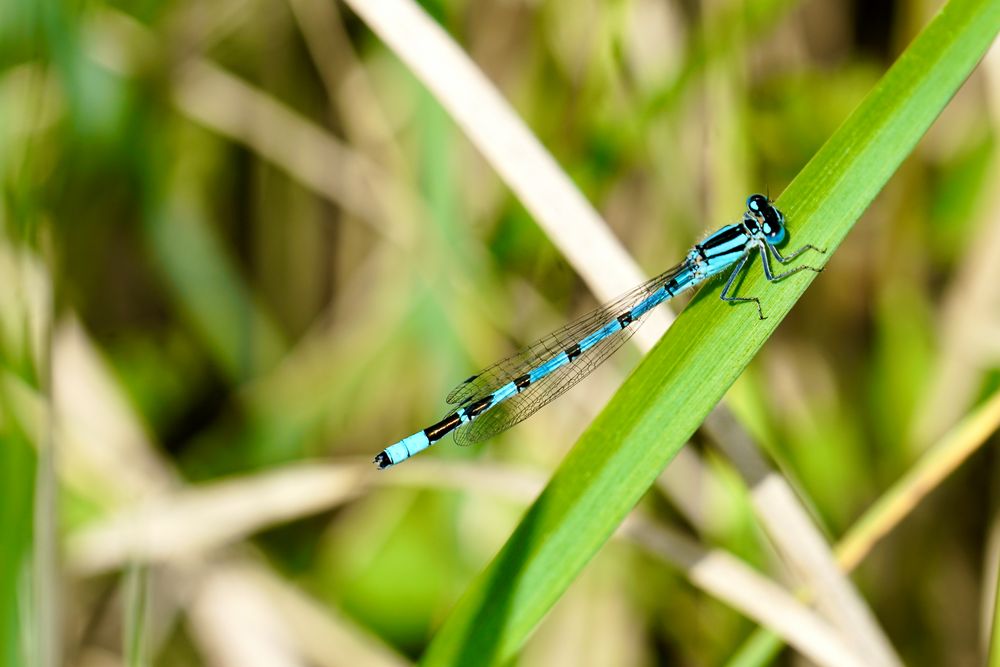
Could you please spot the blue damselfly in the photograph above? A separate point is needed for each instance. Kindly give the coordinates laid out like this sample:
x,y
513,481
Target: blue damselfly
x,y
513,389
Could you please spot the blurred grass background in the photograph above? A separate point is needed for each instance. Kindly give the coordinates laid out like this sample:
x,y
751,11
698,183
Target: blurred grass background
x,y
244,249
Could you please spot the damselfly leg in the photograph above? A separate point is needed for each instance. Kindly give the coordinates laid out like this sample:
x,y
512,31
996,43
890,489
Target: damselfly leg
x,y
740,299
784,260
767,272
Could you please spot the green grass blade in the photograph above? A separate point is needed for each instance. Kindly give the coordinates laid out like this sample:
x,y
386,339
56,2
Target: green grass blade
x,y
675,387
135,637
17,472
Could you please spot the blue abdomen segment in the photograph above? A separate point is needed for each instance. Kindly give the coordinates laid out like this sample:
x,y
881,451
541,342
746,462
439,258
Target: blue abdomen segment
x,y
647,305
402,450
599,335
547,367
418,442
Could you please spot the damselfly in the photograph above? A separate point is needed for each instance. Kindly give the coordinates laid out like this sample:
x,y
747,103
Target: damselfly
x,y
512,390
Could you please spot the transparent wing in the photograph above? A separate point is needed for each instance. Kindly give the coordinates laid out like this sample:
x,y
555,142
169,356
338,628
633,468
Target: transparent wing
x,y
520,406
490,379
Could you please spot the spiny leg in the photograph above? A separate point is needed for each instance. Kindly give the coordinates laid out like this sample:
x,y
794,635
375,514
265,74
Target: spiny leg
x,y
740,299
786,260
781,276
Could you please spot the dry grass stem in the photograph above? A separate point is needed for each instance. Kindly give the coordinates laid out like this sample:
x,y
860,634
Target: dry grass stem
x,y
803,547
310,155
184,528
509,146
736,584
345,79
155,483
933,468
323,637
231,620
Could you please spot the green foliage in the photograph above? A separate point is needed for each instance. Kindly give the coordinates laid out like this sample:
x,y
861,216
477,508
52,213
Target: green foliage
x,y
247,276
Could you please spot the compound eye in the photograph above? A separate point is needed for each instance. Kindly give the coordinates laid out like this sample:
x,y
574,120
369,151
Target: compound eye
x,y
774,232
757,203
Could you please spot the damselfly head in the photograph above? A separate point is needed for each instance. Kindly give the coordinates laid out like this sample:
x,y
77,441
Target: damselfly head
x,y
770,219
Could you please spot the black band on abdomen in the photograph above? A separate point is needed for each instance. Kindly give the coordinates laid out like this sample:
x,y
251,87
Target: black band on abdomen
x,y
443,427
